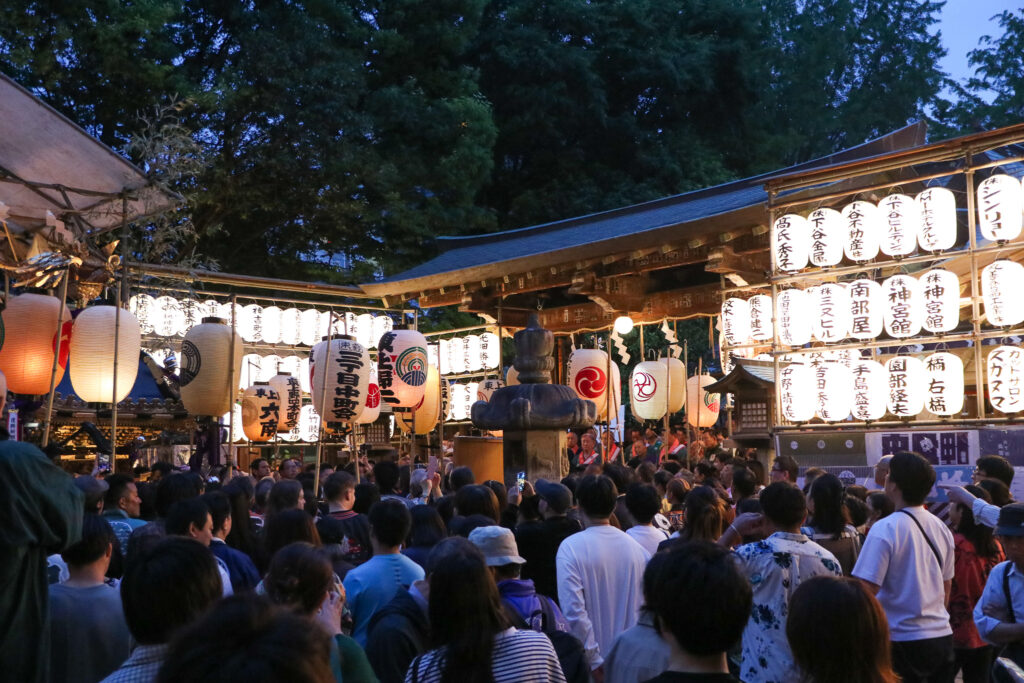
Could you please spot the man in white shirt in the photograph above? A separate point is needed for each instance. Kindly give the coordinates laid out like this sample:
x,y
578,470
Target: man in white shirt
x,y
643,502
907,561
600,574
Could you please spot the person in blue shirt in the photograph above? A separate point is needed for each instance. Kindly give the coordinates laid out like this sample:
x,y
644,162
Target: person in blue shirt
x,y
241,569
121,507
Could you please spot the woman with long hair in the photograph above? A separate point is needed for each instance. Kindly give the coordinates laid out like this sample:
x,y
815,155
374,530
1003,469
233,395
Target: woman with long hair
x,y
286,494
285,528
704,515
472,637
853,647
242,535
829,525
427,530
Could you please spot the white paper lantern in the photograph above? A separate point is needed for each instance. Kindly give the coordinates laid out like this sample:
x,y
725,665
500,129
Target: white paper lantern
x,y
309,327
364,330
28,336
457,355
143,307
168,320
270,325
474,363
382,324
402,367
460,402
1005,373
761,317
192,313
833,386
309,424
225,311
261,406
648,393
863,230
908,383
676,373
92,354
945,384
303,374
251,369
904,309
870,390
792,237
702,406
796,392
794,317
511,376
237,433
1000,208
292,365
471,389
444,357
828,234
424,417
432,354
291,326
486,389
866,305
832,321
936,208
490,350
735,321
250,323
339,373
1002,290
899,220
371,411
588,375
446,399
290,392
207,353
941,290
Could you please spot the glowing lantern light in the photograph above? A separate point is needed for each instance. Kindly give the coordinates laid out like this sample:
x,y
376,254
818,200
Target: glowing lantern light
x,y
1000,207
1002,290
870,390
735,321
269,367
863,230
832,322
372,410
303,374
237,433
143,307
486,389
616,396
250,323
290,393
907,385
588,375
457,355
251,369
382,324
309,326
207,353
760,317
794,317
92,354
444,357
270,325
424,417
791,242
291,326
225,311
402,367
796,392
941,290
648,395
623,324
309,424
339,374
192,313
866,303
474,362
945,384
1005,372
364,330
936,207
168,319
676,388
701,406
490,350
460,402
28,337
899,218
833,391
904,311
828,233
260,408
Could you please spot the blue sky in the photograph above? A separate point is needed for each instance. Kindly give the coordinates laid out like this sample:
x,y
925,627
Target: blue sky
x,y
963,22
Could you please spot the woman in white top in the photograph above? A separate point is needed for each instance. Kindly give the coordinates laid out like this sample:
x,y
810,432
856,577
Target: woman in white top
x,y
471,634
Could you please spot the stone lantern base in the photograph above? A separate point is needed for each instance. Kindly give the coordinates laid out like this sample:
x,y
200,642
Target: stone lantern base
x,y
541,454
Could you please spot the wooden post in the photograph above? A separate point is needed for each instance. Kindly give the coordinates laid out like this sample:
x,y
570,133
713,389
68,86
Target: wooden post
x,y
56,357
232,389
113,398
323,396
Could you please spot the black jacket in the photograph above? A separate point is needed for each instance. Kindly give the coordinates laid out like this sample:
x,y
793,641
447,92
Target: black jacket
x,y
538,544
397,634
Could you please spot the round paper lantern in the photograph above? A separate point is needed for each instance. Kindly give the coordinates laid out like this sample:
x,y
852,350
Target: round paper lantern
x,y
792,235
907,385
424,417
224,311
269,367
290,393
828,233
309,424
237,433
511,376
899,221
251,370
735,321
615,399
794,317
192,313
28,337
701,406
761,317
486,389
292,365
1005,372
832,322
457,355
372,409
309,327
92,354
1000,207
945,384
382,324
270,325
260,408
490,350
168,320
870,390
796,392
474,363
1002,290
206,369
402,367
941,290
904,309
588,374
291,326
648,395
863,230
460,402
143,307
344,365
364,330
866,305
676,373
623,324
250,324
833,391
936,207
444,357
303,374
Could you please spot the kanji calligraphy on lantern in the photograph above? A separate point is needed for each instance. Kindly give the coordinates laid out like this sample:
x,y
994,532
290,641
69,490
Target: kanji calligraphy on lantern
x,y
736,321
796,392
1005,372
936,208
907,381
1002,290
794,317
904,310
945,384
866,304
790,251
761,328
827,234
1000,206
870,382
832,322
941,290
863,230
900,218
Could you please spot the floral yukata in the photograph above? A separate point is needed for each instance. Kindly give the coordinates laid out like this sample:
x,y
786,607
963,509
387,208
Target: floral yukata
x,y
775,567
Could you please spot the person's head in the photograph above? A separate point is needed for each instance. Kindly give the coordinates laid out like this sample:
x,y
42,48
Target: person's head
x,y
744,483
386,475
246,638
190,518
961,518
704,515
588,442
367,495
810,475
825,503
240,496
910,479
645,472
709,438
220,512
289,468
854,648
705,472
461,476
477,499
427,528
675,492
340,489
571,440
993,467
390,522
500,551
285,528
122,495
856,510
597,496
882,470
785,468
997,490
299,578
93,492
326,470
643,502
702,601
880,506
286,494
555,498
167,587
159,470
259,468
621,476
857,491
1010,532
757,467
500,493
94,548
784,505
261,494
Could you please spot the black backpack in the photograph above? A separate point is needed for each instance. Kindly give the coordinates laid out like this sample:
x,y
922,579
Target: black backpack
x,y
568,647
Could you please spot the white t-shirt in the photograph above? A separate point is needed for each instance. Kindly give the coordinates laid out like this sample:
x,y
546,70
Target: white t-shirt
x,y
896,556
647,536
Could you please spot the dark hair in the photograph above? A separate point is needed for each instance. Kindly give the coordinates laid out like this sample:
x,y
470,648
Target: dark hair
x,y
284,496
241,537
857,491
385,475
744,483
855,646
219,506
913,475
749,505
979,535
167,587
97,538
621,476
184,514
477,499
645,472
445,506
118,484
671,466
173,488
992,465
427,528
676,490
255,464
706,470
643,502
390,522
757,467
597,495
367,495
788,464
461,476
856,510
662,478
261,492
880,501
338,484
702,598
999,491
829,514
246,638
705,515
784,504
500,494
298,577
445,548
285,528
163,467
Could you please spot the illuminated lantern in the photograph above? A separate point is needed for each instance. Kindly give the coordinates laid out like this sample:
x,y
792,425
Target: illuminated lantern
x,y
446,399
92,354
701,406
424,417
402,367
270,325
832,322
251,370
796,392
250,323
460,402
444,357
588,375
3,391
945,384
760,317
309,424
382,324
676,383
792,236
28,337
339,374
207,353
364,330
457,355
192,313
735,321
143,307
260,408
474,363
237,434
623,324
899,225
828,233
303,374
224,311
616,396
866,304
291,326
290,393
490,350
1002,290
211,309
941,290
168,319
269,367
471,389
309,326
870,390
936,208
486,389
648,394
794,317
1005,373
863,224
904,309
833,391
907,385
999,208
432,358
372,410
511,376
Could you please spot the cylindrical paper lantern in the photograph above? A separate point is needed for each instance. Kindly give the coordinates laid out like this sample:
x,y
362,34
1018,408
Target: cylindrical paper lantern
x,y
261,406
761,317
423,417
270,325
701,406
866,305
945,383
382,324
907,385
309,327
999,208
250,324
444,357
490,350
794,317
143,307
904,310
676,384
237,434
224,312
460,402
457,355
291,326
474,363
309,424
588,374
169,319
899,221
364,330
828,233
941,290
486,389
303,374
402,367
92,354
347,377
792,237
648,394
796,392
1005,372
936,207
269,367
372,410
446,399
832,307
863,230
28,336
870,390
206,353
192,313
251,370
735,321
289,390
1002,290
833,385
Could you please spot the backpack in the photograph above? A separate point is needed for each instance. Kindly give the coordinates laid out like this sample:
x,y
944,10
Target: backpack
x,y
568,647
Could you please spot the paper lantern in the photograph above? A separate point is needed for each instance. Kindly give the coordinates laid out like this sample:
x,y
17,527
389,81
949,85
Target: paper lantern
x,y
28,337
616,396
474,363
457,355
309,424
237,433
648,395
460,402
870,390
444,357
269,367
432,357
292,365
260,409
1000,207
832,305
382,324
833,391
402,367
143,307
945,384
471,389
490,350
372,409
168,319
623,324
289,392
828,233
192,313
270,325
796,392
701,406
424,417
486,389
866,305
907,386
735,321
511,376
339,374
92,354
1002,290
364,330
1005,372
936,208
291,326
250,323
309,327
251,370
792,235
761,328
588,374
446,399
303,374
863,230
941,290
794,317
207,353
224,311
676,373
904,306
899,225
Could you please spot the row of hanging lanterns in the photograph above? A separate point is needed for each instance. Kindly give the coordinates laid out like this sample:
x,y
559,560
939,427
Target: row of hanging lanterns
x,y
470,353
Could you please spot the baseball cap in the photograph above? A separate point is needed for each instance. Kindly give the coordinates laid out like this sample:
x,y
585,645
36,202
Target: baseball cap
x,y
1011,520
497,544
557,495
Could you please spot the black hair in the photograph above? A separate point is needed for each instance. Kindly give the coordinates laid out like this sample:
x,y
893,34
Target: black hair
x,y
477,499
446,548
427,528
643,502
385,475
461,476
672,467
856,510
500,492
597,495
978,534
994,466
784,504
788,464
118,484
880,501
255,464
284,495
219,506
389,522
744,483
163,467
298,577
173,488
999,492
242,536
97,538
337,484
857,491
829,514
261,492
913,475
621,476
185,514
367,495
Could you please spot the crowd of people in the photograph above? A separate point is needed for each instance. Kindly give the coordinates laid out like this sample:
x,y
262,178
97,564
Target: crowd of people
x,y
663,559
